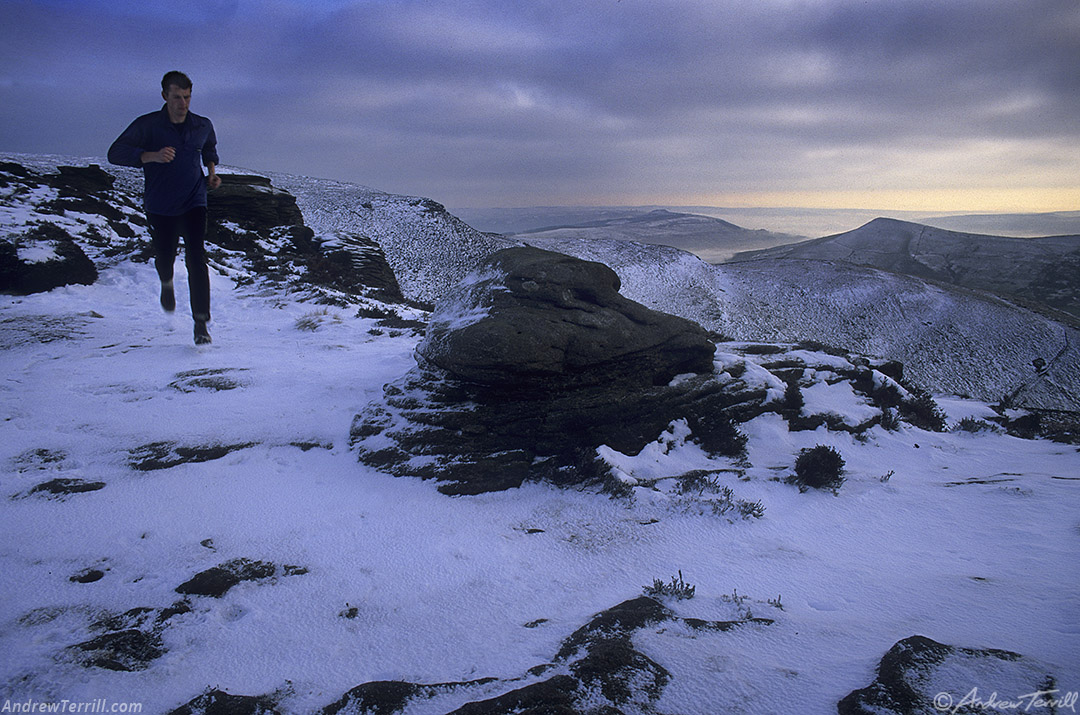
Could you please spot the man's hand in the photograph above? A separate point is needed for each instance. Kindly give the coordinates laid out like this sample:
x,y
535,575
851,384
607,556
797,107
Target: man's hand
x,y
212,179
163,156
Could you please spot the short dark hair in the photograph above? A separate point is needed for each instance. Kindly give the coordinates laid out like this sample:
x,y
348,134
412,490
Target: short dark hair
x,y
177,78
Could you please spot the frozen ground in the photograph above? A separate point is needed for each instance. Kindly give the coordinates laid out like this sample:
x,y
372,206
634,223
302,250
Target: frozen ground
x,y
969,539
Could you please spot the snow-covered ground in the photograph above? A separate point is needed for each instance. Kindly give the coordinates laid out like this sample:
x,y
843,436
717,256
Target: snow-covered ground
x,y
971,539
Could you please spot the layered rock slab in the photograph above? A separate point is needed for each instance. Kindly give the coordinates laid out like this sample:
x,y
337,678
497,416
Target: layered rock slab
x,y
528,366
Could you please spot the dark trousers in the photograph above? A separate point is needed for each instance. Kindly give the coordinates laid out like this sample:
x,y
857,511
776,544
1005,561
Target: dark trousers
x,y
165,231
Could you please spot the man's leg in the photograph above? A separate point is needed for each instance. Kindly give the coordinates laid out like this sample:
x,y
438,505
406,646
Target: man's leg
x,y
165,236
197,270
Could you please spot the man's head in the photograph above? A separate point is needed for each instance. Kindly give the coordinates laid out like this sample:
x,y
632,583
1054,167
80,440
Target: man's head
x,y
176,91
176,77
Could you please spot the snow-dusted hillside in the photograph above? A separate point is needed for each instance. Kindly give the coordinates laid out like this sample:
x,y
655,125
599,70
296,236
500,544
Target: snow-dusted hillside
x,y
132,463
429,249
1043,270
712,239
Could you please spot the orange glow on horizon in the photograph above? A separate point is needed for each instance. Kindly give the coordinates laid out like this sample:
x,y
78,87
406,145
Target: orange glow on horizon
x,y
949,200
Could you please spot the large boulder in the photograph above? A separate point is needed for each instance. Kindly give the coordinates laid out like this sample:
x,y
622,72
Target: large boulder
x,y
250,203
533,363
536,319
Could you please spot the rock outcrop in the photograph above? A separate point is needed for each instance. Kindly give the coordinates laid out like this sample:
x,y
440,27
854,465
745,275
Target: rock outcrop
x,y
537,320
41,259
77,220
597,670
529,366
919,675
247,214
40,255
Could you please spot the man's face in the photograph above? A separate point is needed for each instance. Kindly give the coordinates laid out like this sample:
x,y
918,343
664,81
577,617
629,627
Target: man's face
x,y
177,101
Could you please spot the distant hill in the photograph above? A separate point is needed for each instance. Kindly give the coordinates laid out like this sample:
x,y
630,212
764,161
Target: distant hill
x,y
711,239
1044,270
1058,223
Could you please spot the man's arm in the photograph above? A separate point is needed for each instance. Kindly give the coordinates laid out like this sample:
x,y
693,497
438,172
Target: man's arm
x,y
210,158
128,150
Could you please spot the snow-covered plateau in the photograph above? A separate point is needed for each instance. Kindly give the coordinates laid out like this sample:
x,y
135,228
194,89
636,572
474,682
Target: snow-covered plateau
x,y
134,463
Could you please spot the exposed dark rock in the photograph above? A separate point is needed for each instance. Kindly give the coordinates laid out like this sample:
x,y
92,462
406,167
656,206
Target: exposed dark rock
x,y
82,179
40,458
251,224
12,169
163,455
218,702
64,486
555,696
535,361
67,264
919,676
216,581
599,672
530,366
477,440
380,697
534,319
248,214
392,696
122,650
215,379
250,203
351,263
89,575
131,640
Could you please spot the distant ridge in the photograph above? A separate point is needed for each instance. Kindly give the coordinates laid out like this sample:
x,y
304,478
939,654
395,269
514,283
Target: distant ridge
x,y
711,239
652,217
1043,271
1055,223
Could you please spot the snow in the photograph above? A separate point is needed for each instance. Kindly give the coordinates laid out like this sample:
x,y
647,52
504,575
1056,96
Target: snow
x,y
38,253
839,399
968,538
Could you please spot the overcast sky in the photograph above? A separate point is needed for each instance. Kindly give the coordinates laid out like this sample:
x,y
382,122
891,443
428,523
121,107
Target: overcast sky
x,y
904,104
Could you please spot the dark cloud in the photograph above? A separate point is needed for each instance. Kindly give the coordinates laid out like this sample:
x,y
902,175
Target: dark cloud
x,y
484,102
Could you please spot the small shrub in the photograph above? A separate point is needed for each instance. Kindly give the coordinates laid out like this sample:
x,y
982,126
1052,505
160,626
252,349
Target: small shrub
x,y
676,588
717,434
974,426
724,503
750,510
698,482
819,467
890,419
922,411
314,320
793,398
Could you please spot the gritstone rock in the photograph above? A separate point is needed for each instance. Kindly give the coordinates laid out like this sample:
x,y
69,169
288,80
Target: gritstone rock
x,y
248,214
919,675
536,319
533,362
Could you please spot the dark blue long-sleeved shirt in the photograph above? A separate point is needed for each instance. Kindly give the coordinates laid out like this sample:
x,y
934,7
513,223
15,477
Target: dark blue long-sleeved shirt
x,y
177,187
